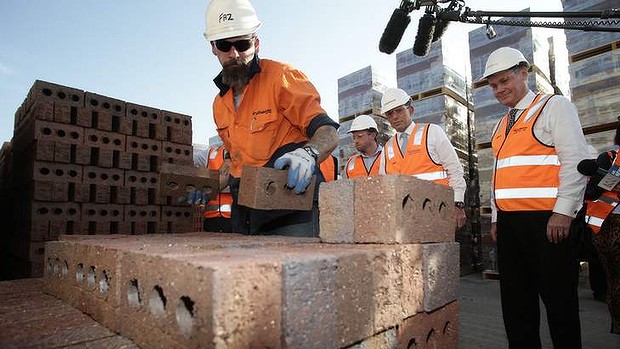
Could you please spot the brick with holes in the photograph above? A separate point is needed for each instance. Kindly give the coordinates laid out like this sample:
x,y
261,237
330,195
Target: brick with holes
x,y
437,329
104,140
98,175
144,121
402,209
178,154
265,188
106,113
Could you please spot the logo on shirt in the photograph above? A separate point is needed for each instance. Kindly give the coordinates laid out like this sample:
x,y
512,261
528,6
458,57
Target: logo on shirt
x,y
260,112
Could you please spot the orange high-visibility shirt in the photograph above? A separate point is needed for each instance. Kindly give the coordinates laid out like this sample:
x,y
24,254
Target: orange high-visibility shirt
x,y
221,204
276,109
356,167
526,174
415,159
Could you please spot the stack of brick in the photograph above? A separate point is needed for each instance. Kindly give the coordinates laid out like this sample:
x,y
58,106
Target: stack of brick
x,y
360,93
228,290
594,66
88,164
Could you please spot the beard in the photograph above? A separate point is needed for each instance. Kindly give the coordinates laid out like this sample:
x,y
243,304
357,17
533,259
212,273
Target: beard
x,y
235,73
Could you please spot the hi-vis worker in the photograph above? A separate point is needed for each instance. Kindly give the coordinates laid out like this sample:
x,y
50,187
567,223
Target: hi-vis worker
x,y
365,163
600,203
267,114
217,210
420,150
329,168
536,193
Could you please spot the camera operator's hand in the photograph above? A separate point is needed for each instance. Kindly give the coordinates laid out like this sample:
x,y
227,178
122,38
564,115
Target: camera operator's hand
x,y
300,163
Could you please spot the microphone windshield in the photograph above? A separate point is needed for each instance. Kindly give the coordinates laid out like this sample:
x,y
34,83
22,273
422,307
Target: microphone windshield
x,y
426,28
587,167
440,27
394,31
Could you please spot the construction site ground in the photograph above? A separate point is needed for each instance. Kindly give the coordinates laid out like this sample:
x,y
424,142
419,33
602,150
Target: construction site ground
x,y
30,318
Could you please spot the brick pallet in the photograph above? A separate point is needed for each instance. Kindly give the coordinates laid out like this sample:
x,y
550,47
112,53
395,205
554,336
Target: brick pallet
x,y
82,163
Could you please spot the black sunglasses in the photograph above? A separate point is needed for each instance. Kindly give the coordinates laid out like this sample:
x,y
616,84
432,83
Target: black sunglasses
x,y
240,45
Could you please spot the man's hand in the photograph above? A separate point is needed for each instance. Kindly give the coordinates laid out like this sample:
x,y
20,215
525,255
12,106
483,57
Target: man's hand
x,y
195,197
459,215
300,164
494,232
558,227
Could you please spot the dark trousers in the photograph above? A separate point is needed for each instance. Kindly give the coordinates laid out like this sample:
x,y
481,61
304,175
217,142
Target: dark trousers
x,y
217,225
531,267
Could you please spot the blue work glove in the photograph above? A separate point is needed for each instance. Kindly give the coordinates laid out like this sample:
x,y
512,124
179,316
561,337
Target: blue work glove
x,y
195,197
300,164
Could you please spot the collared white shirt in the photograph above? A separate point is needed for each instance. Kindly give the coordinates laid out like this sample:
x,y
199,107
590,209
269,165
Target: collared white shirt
x,y
442,152
370,159
558,126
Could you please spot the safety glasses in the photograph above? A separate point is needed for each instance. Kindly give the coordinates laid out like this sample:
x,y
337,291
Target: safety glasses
x,y
240,45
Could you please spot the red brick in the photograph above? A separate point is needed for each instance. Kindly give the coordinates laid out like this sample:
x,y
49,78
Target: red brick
x,y
82,155
42,150
179,154
176,120
107,113
141,179
101,176
404,209
57,132
43,90
337,211
144,121
53,172
264,188
441,274
437,329
138,145
104,140
62,152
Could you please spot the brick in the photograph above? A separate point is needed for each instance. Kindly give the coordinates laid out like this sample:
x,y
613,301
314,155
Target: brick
x,y
55,211
103,216
176,181
176,120
142,213
177,135
121,160
43,90
53,172
101,176
61,133
264,188
83,155
106,113
441,274
437,329
62,152
144,120
141,179
69,114
144,146
384,339
404,209
178,154
336,210
233,300
41,150
143,196
104,140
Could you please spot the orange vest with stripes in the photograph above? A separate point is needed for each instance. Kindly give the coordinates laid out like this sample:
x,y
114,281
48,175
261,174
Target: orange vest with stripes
x,y
415,160
597,210
357,168
526,174
329,168
221,204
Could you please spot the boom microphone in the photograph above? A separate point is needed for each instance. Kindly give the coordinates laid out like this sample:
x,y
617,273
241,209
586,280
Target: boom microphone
x,y
589,167
394,31
426,28
440,27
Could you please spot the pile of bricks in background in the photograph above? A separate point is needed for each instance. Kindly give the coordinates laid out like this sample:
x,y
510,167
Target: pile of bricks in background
x,y
389,279
82,163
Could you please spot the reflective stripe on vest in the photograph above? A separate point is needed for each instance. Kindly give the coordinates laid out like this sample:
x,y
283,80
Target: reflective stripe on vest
x,y
416,160
598,210
357,168
526,173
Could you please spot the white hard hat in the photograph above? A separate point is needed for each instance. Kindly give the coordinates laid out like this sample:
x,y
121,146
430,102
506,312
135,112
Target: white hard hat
x,y
501,59
363,122
392,98
230,18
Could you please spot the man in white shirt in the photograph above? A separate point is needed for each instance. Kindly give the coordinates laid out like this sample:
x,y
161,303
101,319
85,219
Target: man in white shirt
x,y
537,192
420,150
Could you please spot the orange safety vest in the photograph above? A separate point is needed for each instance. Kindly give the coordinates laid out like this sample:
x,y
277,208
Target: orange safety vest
x,y
356,167
329,168
416,160
597,210
221,204
276,109
526,174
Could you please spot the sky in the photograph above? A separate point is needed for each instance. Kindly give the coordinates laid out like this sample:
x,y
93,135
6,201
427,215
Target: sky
x,y
152,52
